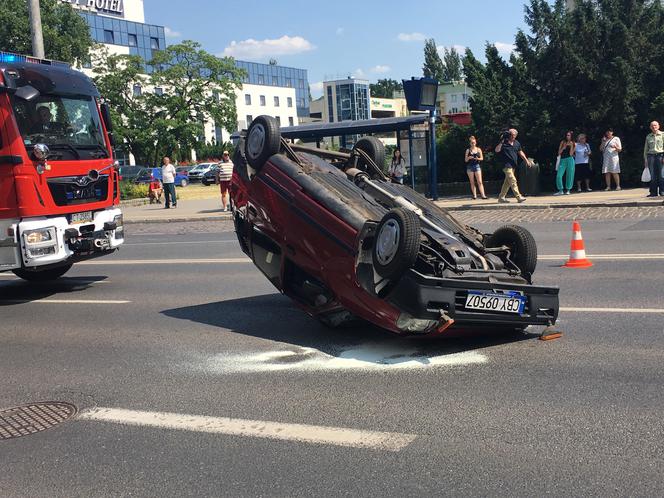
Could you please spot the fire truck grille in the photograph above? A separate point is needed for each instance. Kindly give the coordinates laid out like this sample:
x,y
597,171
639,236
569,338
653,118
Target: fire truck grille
x,y
71,190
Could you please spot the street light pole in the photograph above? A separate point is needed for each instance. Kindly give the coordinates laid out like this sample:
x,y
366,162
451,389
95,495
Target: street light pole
x,y
432,156
36,29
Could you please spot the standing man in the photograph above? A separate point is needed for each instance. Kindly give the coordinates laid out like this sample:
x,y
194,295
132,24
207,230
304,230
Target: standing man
x,y
509,151
168,180
225,173
653,154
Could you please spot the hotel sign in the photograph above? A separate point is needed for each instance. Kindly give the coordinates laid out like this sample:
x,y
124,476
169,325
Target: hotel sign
x,y
107,6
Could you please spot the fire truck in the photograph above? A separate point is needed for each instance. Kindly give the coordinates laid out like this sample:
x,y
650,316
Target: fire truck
x,y
59,191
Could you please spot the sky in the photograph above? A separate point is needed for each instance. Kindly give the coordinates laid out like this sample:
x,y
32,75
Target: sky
x,y
339,38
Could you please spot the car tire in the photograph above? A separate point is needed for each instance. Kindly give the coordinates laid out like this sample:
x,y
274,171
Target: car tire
x,y
396,243
184,182
374,148
43,275
262,142
521,242
204,182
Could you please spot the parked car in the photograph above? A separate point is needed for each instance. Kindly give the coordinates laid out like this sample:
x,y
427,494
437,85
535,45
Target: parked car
x,y
146,175
129,172
183,170
196,173
210,176
330,231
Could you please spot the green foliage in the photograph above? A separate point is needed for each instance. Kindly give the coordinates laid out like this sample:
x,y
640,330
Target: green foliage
x,y
452,65
197,87
66,34
433,64
131,190
599,65
212,151
385,88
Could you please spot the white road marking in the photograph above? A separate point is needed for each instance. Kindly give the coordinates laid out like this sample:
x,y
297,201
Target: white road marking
x,y
63,301
179,242
602,257
166,261
613,310
337,436
399,355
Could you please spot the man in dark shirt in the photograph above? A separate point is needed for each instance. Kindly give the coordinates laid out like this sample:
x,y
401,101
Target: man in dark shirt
x,y
509,151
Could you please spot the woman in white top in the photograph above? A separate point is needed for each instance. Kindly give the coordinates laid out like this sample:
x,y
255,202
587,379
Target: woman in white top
x,y
610,148
397,169
582,155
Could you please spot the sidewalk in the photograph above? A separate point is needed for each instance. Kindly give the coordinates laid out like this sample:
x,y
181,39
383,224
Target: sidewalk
x,y
635,197
210,209
187,210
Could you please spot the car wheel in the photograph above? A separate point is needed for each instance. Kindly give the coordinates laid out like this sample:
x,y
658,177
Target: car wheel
x,y
396,243
43,275
204,182
523,248
262,142
183,183
374,149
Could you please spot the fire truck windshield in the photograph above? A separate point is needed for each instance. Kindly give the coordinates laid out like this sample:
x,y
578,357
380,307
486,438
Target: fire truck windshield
x,y
69,125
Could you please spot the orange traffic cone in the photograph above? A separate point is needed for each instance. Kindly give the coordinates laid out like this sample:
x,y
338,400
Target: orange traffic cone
x,y
577,257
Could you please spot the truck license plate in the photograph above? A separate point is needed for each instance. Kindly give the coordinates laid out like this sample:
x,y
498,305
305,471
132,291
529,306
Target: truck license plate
x,y
84,217
510,302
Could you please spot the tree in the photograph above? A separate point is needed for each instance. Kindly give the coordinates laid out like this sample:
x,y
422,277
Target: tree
x,y
433,64
66,34
598,65
196,87
453,65
385,88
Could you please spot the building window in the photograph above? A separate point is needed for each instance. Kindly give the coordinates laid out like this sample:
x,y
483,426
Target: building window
x,y
289,82
261,79
278,120
158,91
108,36
132,40
275,81
154,43
262,98
290,121
289,101
250,118
247,99
137,90
300,84
276,101
465,97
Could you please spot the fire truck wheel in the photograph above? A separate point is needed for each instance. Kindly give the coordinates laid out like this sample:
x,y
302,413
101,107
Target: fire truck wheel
x,y
43,275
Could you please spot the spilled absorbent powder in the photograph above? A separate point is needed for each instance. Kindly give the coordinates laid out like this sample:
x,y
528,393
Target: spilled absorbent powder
x,y
363,357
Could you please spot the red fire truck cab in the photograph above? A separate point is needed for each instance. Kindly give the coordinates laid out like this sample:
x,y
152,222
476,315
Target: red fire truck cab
x,y
59,192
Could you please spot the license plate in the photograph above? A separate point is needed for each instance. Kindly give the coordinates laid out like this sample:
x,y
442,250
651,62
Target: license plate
x,y
84,217
510,302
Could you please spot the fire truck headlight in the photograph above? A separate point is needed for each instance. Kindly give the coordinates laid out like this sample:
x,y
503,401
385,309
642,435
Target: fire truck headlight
x,y
39,236
119,230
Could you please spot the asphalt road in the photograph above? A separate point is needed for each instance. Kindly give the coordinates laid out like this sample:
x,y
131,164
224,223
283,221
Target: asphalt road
x,y
474,416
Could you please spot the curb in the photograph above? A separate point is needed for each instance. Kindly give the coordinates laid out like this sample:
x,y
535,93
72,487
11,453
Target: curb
x,y
491,207
178,220
134,202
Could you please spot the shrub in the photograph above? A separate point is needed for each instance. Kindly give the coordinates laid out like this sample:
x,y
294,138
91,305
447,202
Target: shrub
x,y
131,190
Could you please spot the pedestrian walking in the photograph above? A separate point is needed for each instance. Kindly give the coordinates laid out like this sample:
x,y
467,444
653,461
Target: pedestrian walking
x,y
582,155
224,176
611,148
168,180
397,169
509,151
653,156
473,159
565,164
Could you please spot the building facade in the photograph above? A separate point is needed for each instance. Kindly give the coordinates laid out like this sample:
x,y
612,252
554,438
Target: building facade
x,y
453,98
279,91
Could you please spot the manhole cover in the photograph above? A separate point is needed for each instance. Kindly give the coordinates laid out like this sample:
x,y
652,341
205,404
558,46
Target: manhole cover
x,y
35,417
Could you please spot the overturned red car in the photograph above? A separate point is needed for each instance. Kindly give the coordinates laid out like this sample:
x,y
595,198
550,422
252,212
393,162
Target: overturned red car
x,y
332,233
